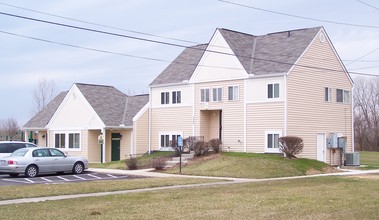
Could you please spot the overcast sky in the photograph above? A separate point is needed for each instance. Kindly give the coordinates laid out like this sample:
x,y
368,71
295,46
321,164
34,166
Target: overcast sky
x,y
23,61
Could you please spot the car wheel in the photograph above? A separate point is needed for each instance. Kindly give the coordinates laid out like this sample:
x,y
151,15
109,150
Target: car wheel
x,y
31,171
78,168
13,174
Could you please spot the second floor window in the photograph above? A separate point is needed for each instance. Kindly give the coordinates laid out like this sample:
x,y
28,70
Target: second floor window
x,y
328,94
176,97
273,90
217,94
165,98
343,96
204,93
233,93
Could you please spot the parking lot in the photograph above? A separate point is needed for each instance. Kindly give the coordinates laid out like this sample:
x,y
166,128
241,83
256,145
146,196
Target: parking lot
x,y
6,180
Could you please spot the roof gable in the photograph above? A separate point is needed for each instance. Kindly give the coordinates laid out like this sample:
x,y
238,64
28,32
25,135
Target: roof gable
x,y
43,117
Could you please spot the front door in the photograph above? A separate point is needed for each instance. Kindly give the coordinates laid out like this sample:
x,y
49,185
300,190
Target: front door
x,y
115,154
321,147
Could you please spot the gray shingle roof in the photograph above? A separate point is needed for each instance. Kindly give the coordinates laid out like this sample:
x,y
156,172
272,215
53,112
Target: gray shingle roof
x,y
42,118
272,53
182,67
113,107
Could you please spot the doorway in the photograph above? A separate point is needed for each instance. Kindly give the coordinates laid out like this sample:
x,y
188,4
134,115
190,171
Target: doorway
x,y
321,147
115,145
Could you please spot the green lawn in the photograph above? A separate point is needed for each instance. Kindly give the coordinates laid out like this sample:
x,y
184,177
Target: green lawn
x,y
42,190
369,159
312,198
250,165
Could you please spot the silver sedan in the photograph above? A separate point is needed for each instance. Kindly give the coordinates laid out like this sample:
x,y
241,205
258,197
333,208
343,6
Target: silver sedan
x,y
34,161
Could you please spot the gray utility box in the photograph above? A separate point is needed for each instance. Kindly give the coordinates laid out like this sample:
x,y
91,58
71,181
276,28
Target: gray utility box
x,y
352,159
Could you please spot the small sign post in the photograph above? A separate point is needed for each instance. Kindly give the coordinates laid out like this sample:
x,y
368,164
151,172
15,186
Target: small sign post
x,y
180,145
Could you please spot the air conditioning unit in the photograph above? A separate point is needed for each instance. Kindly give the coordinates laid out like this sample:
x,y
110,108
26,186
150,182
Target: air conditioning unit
x,y
352,159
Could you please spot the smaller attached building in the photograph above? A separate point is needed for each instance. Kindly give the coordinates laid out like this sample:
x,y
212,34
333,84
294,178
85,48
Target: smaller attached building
x,y
75,120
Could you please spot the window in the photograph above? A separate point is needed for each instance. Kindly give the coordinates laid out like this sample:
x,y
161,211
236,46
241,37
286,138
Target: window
x,y
328,94
165,98
273,91
343,96
168,139
60,140
272,141
217,94
176,97
73,140
233,93
204,93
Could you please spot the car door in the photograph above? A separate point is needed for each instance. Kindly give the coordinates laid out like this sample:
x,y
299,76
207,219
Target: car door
x,y
41,157
61,162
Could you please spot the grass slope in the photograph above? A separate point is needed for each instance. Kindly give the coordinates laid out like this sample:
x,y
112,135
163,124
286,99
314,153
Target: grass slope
x,y
249,165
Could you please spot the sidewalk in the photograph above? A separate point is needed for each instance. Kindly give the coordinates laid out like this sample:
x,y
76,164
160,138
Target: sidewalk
x,y
148,173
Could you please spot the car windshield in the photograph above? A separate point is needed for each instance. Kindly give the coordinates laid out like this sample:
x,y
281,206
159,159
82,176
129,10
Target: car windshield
x,y
20,152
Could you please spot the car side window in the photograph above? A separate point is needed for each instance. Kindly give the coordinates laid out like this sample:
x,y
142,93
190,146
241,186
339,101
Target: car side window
x,y
41,153
4,148
15,146
56,153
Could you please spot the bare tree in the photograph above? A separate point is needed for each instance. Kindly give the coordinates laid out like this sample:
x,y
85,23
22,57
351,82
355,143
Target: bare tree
x,y
43,93
9,128
366,113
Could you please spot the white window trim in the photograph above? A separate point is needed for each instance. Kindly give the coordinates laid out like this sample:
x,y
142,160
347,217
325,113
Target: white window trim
x,y
271,150
209,98
330,94
273,91
234,96
170,133
219,99
176,97
66,148
343,96
166,102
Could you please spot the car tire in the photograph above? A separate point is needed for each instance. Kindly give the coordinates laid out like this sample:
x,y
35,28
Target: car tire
x,y
78,168
31,171
13,174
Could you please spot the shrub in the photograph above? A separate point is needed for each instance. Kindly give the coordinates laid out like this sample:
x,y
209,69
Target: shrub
x,y
174,145
159,163
291,146
200,148
131,163
215,144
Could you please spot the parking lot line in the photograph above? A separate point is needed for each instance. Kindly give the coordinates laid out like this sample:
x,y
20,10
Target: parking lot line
x,y
14,180
79,177
31,181
112,176
63,178
46,179
94,176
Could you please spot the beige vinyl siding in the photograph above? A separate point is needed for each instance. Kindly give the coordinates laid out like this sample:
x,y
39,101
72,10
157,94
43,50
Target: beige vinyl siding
x,y
262,117
170,119
94,153
41,139
232,114
125,144
308,113
141,134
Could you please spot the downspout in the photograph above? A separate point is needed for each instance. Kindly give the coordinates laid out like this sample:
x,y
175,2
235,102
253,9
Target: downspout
x,y
285,105
193,110
150,119
244,116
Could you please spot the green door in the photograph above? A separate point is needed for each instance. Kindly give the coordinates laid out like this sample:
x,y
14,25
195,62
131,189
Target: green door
x,y
115,146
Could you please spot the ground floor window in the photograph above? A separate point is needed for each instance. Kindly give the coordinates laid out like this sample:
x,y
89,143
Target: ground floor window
x,y
69,140
169,139
272,141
